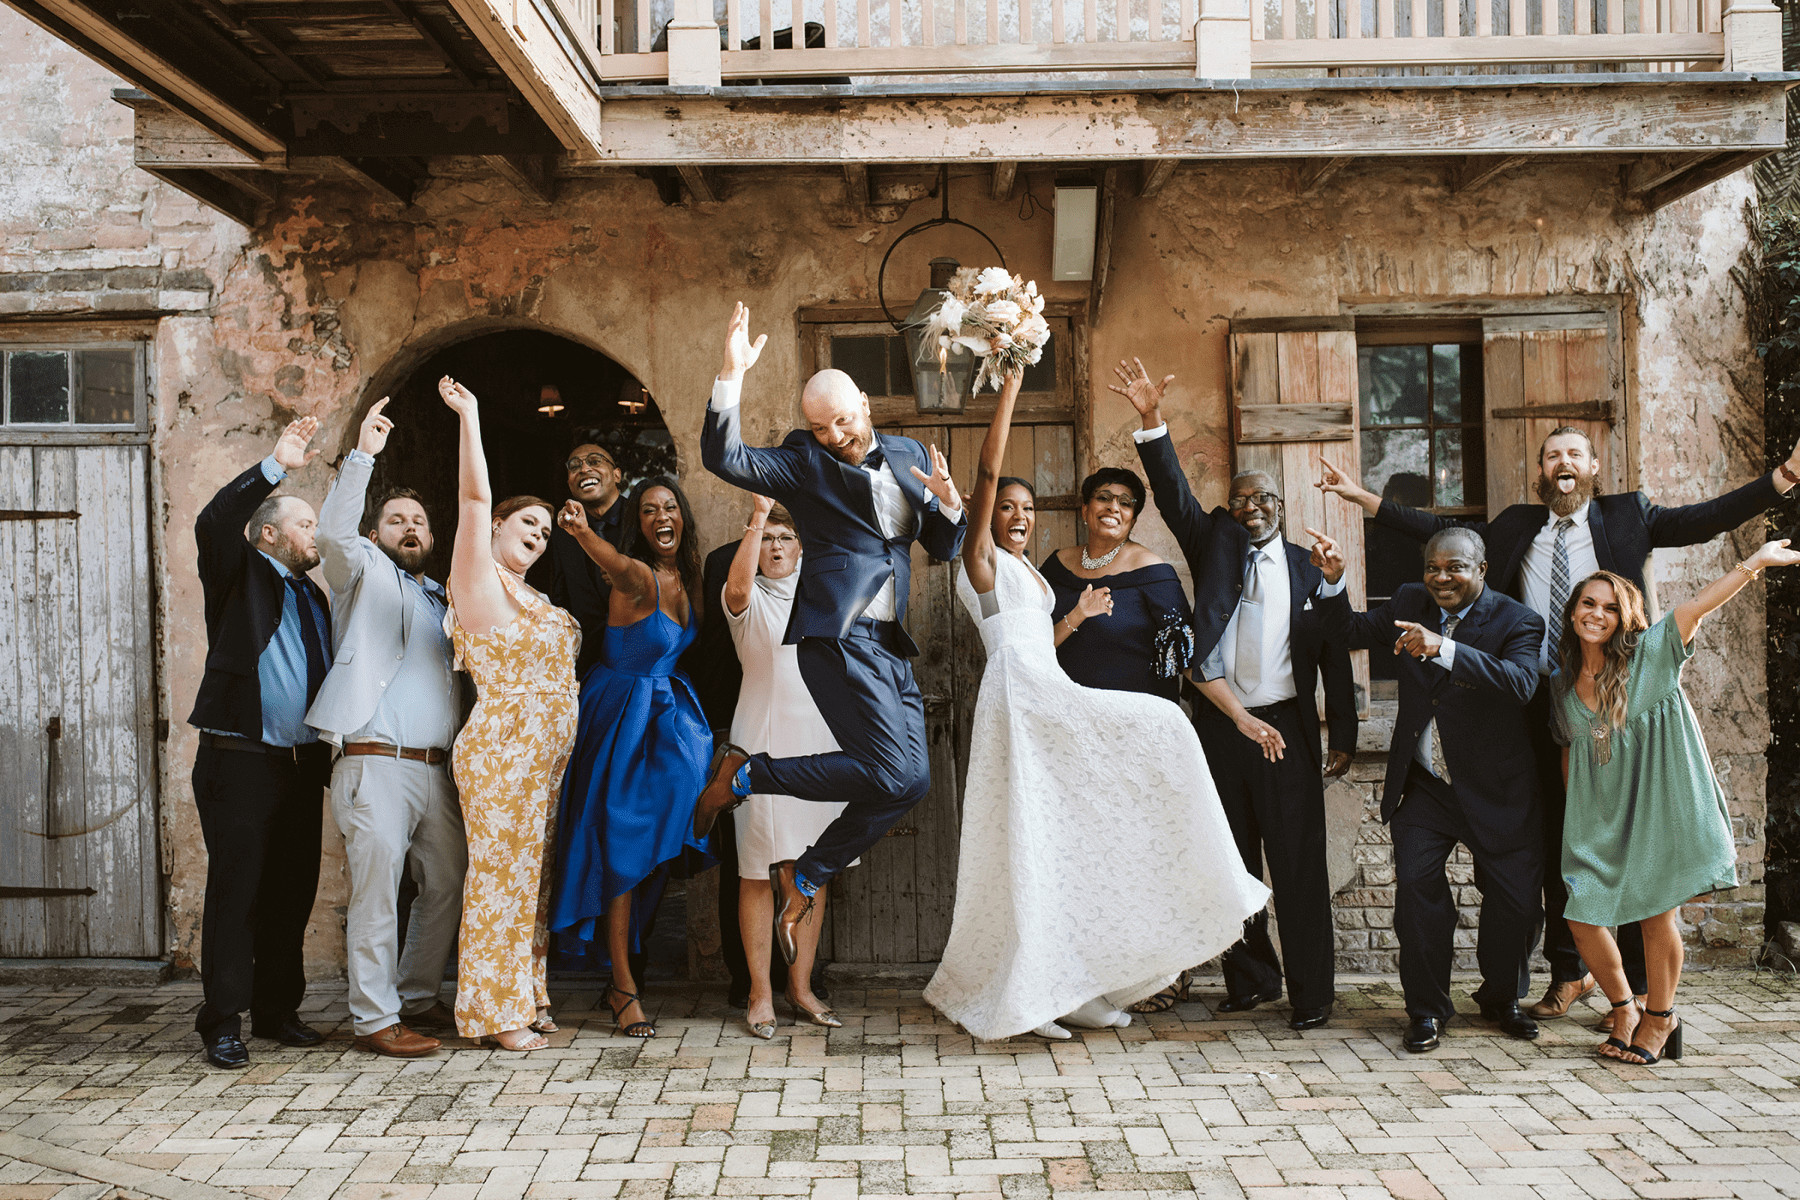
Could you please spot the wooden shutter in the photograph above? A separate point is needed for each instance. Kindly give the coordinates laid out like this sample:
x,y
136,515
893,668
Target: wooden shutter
x,y
1542,371
1294,398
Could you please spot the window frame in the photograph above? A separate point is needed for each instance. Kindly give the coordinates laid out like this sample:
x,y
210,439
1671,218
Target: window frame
x,y
75,339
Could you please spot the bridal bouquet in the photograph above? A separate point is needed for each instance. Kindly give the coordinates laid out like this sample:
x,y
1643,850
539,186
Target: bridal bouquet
x,y
995,314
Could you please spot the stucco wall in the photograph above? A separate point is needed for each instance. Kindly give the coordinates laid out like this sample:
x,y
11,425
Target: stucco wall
x,y
335,298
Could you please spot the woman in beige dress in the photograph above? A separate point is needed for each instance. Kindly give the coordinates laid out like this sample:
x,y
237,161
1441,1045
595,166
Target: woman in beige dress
x,y
509,759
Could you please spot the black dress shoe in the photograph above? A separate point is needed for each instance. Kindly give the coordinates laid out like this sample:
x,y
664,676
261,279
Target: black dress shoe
x,y
1309,1018
1422,1034
1511,1019
227,1051
1236,1004
291,1032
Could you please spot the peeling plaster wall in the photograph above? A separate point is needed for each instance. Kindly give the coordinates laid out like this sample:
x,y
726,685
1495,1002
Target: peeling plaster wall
x,y
336,298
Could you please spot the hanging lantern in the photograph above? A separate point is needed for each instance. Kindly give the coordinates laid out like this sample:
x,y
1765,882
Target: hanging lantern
x,y
942,376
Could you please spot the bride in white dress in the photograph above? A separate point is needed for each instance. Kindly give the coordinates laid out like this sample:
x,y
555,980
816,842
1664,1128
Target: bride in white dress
x,y
1096,862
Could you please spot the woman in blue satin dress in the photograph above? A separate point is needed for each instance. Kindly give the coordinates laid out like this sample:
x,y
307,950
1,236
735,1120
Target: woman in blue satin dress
x,y
642,747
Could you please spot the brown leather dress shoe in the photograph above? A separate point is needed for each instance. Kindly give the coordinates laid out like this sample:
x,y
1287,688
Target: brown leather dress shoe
x,y
1560,997
717,797
438,1016
397,1041
791,907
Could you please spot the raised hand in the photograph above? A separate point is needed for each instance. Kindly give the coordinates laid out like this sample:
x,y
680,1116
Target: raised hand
x,y
1145,395
573,518
761,505
290,452
939,483
460,399
740,352
1326,556
375,429
1773,554
1417,640
1337,483
1094,602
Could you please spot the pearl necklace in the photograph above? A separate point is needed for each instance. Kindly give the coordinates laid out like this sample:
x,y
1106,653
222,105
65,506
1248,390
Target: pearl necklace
x,y
1105,560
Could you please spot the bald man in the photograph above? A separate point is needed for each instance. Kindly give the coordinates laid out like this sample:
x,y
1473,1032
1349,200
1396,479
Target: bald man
x,y
859,500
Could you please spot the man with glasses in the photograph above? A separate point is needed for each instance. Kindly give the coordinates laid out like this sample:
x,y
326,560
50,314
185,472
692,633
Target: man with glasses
x,y
576,581
1264,646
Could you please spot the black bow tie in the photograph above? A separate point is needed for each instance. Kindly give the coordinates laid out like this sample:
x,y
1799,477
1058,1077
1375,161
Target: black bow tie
x,y
876,458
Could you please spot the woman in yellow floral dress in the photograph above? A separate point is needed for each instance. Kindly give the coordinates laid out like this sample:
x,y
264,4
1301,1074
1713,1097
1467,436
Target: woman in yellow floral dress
x,y
509,758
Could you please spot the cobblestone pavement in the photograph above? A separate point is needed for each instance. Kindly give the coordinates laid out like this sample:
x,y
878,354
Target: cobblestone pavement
x,y
104,1094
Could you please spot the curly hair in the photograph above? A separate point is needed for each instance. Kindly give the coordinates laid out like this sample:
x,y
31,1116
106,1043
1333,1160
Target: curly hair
x,y
1610,687
687,555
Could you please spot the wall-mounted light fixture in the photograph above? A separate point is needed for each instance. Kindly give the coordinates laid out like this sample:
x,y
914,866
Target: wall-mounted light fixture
x,y
1077,213
550,400
634,398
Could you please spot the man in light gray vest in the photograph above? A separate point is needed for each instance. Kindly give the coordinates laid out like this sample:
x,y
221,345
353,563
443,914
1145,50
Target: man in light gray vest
x,y
390,706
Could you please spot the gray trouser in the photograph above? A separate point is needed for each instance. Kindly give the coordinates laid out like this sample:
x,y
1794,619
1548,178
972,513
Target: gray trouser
x,y
393,811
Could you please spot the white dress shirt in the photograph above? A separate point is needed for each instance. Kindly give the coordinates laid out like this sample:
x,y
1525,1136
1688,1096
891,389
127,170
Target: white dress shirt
x,y
1538,559
893,511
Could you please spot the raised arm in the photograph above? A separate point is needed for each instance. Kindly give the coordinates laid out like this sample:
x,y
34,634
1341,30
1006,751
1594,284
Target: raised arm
x,y
343,551
1691,524
978,542
1335,483
1769,554
1189,522
742,576
630,577
776,472
482,603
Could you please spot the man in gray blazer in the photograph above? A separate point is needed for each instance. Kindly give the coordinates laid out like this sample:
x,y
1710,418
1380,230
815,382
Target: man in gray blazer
x,y
390,706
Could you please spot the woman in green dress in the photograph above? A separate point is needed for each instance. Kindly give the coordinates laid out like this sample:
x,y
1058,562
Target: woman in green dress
x,y
1647,827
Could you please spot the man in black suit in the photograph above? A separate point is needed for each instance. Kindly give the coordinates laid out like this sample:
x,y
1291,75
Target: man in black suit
x,y
859,500
1541,550
565,573
1260,676
261,772
1459,770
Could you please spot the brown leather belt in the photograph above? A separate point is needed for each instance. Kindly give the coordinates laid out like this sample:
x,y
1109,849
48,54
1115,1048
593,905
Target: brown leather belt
x,y
432,757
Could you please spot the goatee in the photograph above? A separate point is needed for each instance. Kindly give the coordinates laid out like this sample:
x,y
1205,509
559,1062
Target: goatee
x,y
1563,503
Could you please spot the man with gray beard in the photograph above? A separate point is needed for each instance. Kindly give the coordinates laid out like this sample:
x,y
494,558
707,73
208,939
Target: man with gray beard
x,y
1537,551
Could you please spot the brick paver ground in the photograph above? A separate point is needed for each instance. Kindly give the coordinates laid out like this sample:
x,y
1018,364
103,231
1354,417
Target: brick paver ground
x,y
103,1094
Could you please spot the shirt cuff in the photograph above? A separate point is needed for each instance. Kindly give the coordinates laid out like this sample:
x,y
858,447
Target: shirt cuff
x,y
272,470
1213,667
1328,590
726,393
360,458
1140,436
955,517
1446,655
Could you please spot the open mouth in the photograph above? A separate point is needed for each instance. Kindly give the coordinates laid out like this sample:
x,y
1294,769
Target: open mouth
x,y
1566,481
1593,626
1018,531
410,542
664,536
584,482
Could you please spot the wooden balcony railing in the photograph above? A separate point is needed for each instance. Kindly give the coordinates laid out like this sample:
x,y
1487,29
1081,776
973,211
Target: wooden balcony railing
x,y
684,42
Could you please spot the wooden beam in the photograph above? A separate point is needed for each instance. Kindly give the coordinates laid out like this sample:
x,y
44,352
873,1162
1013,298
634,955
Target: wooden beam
x,y
700,183
1477,169
1156,173
856,184
533,174
1103,240
397,179
1654,170
1006,171
210,190
1711,170
1311,172
529,42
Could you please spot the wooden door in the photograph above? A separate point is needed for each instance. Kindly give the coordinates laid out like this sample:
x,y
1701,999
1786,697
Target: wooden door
x,y
78,849
1545,371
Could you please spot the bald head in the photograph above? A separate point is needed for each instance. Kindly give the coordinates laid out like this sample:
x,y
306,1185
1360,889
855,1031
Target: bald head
x,y
837,414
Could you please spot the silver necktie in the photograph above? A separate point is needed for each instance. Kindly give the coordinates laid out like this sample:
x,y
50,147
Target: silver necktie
x,y
1250,626
1438,766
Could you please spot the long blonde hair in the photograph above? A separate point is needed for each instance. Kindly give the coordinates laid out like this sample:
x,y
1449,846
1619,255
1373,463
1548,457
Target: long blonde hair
x,y
1611,684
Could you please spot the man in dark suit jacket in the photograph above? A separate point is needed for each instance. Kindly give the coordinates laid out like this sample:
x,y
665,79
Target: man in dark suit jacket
x,y
565,573
859,500
1266,669
261,772
1526,542
1459,770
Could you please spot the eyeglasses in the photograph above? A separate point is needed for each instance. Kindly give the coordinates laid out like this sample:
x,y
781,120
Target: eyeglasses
x,y
786,541
1124,499
592,460
1260,499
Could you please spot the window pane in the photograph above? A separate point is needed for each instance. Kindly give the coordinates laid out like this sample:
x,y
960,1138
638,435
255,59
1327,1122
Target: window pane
x,y
1396,465
1042,377
39,382
1460,478
900,380
108,393
1391,380
864,359
1446,384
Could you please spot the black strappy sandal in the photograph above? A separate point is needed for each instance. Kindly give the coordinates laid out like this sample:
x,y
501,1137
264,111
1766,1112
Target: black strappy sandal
x,y
637,1029
1671,1044
1618,1044
1169,997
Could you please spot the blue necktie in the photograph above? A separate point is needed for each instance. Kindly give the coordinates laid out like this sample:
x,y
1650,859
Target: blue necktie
x,y
309,633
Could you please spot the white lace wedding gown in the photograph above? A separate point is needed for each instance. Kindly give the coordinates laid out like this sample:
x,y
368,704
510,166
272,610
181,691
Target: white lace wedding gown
x,y
1095,855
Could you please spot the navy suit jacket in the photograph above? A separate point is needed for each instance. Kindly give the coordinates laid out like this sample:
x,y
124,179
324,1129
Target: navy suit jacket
x,y
243,594
711,663
1626,528
1479,704
848,558
1216,548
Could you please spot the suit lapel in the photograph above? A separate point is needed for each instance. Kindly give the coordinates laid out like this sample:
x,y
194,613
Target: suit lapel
x,y
1597,526
856,482
1299,585
899,460
1515,559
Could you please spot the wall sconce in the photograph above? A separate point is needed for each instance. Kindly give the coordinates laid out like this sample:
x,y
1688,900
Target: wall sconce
x,y
634,398
550,400
1077,212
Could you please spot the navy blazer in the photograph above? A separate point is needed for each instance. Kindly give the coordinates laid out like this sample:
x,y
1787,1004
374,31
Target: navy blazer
x,y
1479,703
1216,548
711,663
847,558
1626,528
243,592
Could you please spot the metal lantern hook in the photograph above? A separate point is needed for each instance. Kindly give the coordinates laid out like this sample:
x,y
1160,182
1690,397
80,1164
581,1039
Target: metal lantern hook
x,y
922,226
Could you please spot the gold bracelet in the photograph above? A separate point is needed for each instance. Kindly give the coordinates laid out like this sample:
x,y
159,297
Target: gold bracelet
x,y
1747,571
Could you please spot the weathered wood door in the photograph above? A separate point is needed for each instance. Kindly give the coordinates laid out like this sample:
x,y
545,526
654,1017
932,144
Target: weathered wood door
x,y
78,725
1544,371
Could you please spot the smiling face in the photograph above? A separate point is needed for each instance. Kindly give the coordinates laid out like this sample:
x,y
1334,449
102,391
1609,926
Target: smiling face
x,y
1567,472
1256,505
520,539
1597,613
780,554
593,476
659,520
837,414
1453,575
404,533
1015,516
1110,513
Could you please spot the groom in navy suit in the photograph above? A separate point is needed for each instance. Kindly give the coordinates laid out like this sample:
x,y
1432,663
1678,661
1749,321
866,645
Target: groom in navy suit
x,y
859,500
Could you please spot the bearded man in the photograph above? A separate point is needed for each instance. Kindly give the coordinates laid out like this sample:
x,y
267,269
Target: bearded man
x,y
1538,550
390,707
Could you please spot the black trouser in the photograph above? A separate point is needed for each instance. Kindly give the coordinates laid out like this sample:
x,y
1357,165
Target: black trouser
x,y
1277,812
1426,828
1559,944
261,818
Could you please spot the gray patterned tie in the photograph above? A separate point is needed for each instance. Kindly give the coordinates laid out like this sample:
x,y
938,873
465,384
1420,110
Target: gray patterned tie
x,y
1250,626
1438,766
1559,578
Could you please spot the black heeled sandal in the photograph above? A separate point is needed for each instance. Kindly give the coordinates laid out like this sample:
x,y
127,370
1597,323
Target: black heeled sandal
x,y
1619,1044
637,1029
1671,1044
1169,997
